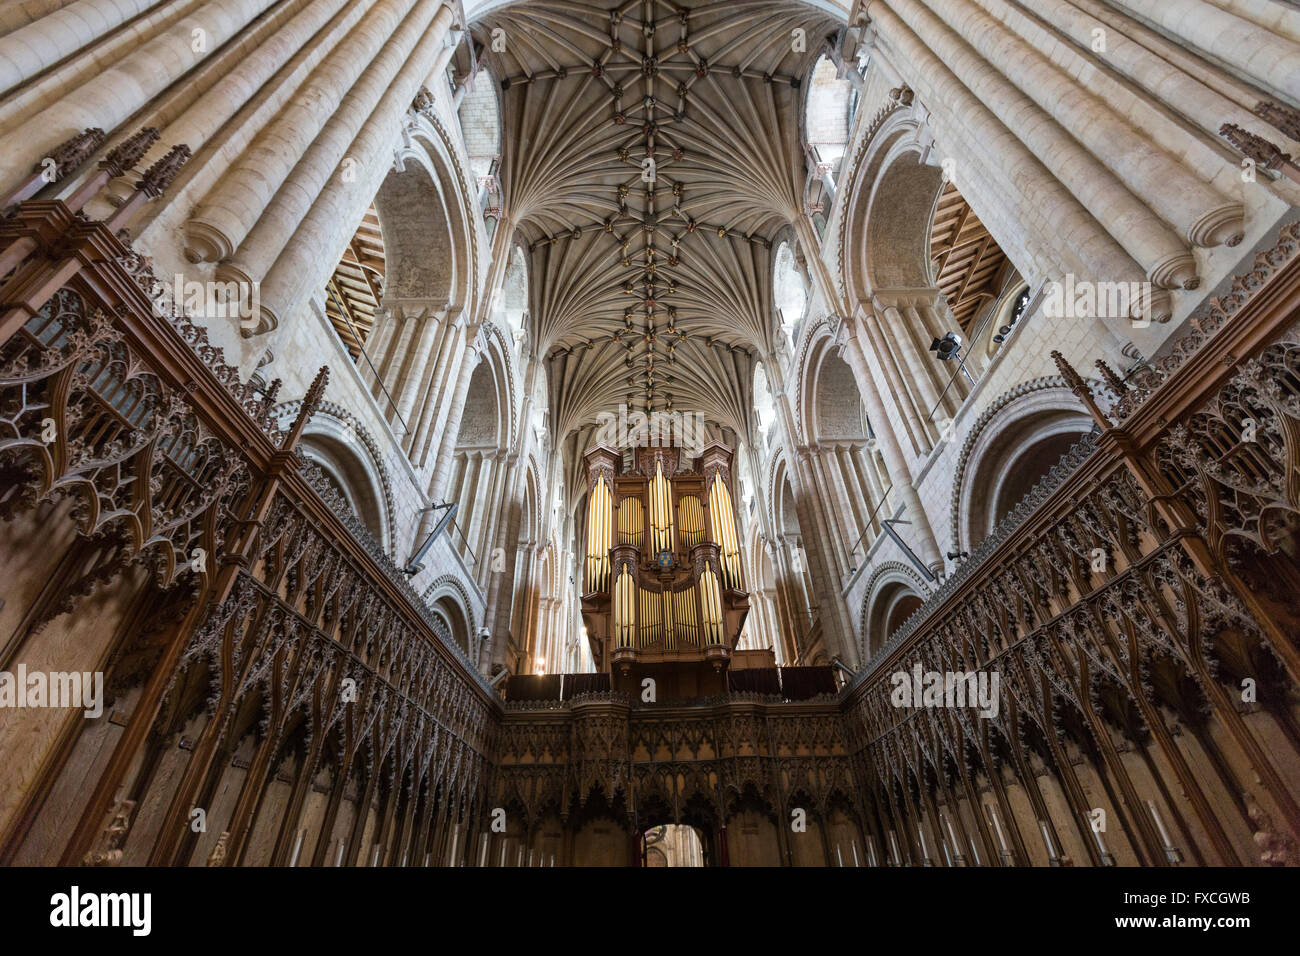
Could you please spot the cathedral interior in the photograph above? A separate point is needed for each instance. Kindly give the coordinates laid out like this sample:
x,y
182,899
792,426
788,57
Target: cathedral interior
x,y
663,433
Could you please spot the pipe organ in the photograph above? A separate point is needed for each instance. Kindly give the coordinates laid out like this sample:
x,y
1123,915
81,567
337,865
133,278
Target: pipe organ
x,y
664,594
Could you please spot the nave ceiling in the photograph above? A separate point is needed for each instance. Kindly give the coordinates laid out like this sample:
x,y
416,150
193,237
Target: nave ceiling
x,y
654,294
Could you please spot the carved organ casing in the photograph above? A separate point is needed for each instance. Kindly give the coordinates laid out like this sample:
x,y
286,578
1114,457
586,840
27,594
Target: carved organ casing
x,y
664,594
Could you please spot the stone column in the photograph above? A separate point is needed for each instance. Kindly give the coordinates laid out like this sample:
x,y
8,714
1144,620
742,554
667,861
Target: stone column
x,y
866,473
899,475
969,130
1151,243
1264,56
280,220
1201,214
918,386
451,428
114,95
440,389
827,504
860,504
414,374
230,210
341,204
821,561
895,370
251,74
468,472
43,42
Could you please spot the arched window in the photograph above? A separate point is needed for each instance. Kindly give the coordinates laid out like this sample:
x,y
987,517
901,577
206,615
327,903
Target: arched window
x,y
513,303
830,113
789,292
764,407
891,602
480,123
349,470
1010,311
353,292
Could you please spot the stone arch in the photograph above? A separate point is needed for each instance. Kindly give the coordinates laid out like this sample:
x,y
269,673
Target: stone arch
x,y
449,601
828,112
894,193
790,292
436,149
530,526
349,458
416,216
814,334
830,402
513,303
778,479
764,410
481,424
902,204
499,353
479,114
1012,445
893,593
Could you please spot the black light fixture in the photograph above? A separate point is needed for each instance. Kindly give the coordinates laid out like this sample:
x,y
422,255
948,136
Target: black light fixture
x,y
948,348
958,555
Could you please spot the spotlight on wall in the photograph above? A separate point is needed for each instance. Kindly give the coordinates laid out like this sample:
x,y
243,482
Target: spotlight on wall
x,y
1003,332
958,555
948,348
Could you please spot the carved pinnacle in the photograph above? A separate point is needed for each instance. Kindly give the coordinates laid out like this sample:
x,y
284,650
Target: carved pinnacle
x,y
1281,117
130,151
1112,378
161,174
74,151
1254,147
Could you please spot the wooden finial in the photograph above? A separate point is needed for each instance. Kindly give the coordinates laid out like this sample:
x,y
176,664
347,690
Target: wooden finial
x,y
1257,148
161,174
1112,378
74,151
1080,388
123,157
310,402
1280,116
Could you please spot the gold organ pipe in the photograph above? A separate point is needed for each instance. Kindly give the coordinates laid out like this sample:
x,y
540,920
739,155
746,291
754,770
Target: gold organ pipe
x,y
624,608
631,522
722,521
687,621
598,536
651,617
666,600
690,520
711,606
660,511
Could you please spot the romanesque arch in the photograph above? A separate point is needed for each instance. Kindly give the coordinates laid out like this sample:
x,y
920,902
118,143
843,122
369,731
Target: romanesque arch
x,y
893,593
1012,445
349,458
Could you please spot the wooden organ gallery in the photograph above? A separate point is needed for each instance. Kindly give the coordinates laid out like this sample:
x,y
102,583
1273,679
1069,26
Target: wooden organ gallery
x,y
664,595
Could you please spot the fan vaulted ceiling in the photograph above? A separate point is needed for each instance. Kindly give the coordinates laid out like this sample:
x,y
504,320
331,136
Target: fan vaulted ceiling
x,y
651,152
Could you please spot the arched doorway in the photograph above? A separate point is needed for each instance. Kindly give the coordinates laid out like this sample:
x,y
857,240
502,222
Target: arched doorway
x,y
672,844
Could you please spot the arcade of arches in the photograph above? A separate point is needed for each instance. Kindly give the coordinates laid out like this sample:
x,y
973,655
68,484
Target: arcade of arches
x,y
842,432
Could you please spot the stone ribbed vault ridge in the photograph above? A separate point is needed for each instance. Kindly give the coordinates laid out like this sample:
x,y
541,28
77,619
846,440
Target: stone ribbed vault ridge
x,y
654,294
